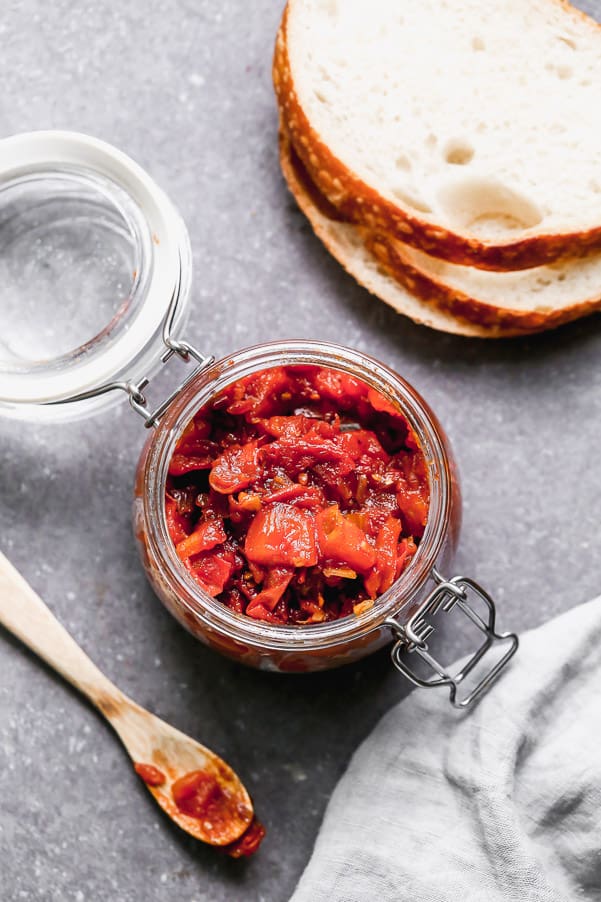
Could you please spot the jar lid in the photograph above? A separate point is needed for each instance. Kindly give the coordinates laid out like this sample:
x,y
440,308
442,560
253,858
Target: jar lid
x,y
93,258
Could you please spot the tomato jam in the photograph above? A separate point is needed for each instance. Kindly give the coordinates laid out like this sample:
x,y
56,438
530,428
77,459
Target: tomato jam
x,y
249,842
200,795
297,496
151,775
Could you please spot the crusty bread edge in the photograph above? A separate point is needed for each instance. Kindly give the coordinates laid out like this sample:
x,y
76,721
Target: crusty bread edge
x,y
361,204
436,291
425,287
368,272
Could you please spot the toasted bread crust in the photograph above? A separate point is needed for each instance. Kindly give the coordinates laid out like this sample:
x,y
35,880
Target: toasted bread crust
x,y
435,291
442,306
387,286
361,204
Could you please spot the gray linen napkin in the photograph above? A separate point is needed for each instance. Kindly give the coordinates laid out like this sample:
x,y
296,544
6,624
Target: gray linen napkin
x,y
503,803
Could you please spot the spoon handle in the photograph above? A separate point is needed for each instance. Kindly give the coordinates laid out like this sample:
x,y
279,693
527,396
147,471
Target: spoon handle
x,y
25,615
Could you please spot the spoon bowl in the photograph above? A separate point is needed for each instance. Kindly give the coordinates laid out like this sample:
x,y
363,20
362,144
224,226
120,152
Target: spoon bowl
x,y
160,752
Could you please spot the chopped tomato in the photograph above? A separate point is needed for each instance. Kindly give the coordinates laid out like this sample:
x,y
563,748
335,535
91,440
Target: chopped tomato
x,y
384,572
297,455
177,524
363,447
414,509
207,535
187,463
298,495
381,403
235,469
248,843
258,393
294,427
212,572
339,386
281,535
342,541
276,583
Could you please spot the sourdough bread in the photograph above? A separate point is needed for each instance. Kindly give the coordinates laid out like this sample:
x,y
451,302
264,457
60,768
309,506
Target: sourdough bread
x,y
470,132
443,295
542,297
345,243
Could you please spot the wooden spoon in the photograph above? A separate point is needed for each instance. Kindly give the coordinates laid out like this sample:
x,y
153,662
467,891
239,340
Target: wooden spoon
x,y
162,755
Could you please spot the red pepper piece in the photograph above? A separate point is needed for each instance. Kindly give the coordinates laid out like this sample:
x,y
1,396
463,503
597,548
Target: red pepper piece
x,y
196,442
281,535
235,469
342,541
198,428
190,456
363,446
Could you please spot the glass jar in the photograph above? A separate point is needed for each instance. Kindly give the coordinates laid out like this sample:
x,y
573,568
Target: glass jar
x,y
254,642
48,179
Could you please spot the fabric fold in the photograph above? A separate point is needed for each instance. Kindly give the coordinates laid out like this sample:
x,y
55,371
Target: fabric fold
x,y
502,803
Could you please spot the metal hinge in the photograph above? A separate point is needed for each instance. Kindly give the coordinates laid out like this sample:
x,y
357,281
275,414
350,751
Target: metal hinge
x,y
135,390
412,638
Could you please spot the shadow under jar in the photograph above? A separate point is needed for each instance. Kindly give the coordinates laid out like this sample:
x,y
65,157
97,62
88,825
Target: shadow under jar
x,y
136,223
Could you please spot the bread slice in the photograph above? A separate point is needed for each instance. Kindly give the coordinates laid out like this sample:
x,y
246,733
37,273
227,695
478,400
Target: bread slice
x,y
531,300
444,295
471,131
345,243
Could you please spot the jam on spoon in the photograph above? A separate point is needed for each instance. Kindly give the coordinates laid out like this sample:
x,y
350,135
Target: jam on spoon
x,y
162,756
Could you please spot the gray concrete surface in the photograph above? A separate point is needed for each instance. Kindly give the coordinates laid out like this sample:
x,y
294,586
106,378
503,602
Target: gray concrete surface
x,y
184,87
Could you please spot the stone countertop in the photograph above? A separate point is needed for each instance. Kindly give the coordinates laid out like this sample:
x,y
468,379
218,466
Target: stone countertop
x,y
184,88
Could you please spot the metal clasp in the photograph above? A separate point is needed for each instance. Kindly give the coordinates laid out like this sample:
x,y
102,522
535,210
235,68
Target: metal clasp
x,y
135,390
412,638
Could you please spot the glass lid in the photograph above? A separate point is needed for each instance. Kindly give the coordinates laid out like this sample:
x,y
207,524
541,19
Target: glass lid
x,y
92,255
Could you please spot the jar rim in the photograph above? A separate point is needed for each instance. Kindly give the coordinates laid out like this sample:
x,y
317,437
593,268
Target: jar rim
x,y
398,597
